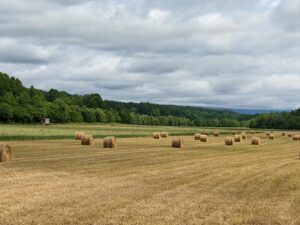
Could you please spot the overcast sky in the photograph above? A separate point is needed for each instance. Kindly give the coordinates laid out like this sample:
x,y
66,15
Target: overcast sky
x,y
219,53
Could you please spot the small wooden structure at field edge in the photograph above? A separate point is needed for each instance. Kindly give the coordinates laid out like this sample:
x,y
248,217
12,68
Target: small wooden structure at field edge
x,y
45,121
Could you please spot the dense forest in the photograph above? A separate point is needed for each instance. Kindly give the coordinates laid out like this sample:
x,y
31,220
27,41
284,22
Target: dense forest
x,y
283,120
19,104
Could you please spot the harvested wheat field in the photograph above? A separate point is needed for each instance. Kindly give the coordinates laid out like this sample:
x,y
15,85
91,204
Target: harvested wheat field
x,y
144,181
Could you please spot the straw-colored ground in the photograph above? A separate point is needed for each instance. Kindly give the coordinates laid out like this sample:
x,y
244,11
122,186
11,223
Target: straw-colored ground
x,y
144,181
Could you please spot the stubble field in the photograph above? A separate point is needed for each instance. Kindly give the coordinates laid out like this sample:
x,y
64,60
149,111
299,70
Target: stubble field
x,y
145,181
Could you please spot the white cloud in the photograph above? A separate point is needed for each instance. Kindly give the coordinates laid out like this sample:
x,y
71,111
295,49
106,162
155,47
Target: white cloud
x,y
158,16
212,53
213,22
287,15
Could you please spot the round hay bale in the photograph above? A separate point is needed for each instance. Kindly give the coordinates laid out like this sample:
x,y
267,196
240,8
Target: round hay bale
x,y
290,135
229,141
283,134
272,136
79,135
237,138
177,143
268,134
197,136
244,136
255,141
156,135
5,153
109,142
216,133
87,140
296,137
206,133
252,132
203,138
164,134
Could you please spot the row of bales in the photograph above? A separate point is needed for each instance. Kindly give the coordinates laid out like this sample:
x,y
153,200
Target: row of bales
x,y
235,138
159,135
204,136
294,136
176,143
108,142
238,138
111,142
228,140
256,140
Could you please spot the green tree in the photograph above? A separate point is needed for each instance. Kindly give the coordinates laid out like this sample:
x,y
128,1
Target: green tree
x,y
88,115
100,116
75,114
6,112
59,111
93,101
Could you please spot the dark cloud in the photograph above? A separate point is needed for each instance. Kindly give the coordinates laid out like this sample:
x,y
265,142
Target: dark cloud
x,y
210,53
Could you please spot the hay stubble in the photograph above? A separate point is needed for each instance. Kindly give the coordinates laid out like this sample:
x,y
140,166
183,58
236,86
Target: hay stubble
x,y
145,182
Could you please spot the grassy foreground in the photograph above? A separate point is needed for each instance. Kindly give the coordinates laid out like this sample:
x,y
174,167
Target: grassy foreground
x,y
144,181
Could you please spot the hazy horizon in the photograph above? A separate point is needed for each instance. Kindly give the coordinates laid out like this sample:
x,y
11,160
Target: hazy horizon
x,y
233,55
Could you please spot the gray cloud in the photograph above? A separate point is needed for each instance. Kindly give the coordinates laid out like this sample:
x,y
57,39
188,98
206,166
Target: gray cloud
x,y
287,15
229,54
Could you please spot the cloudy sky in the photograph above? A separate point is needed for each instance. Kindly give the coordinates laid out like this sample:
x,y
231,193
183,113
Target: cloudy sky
x,y
224,53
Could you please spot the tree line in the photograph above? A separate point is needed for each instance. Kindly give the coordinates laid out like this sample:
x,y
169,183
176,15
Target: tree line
x,y
277,120
19,104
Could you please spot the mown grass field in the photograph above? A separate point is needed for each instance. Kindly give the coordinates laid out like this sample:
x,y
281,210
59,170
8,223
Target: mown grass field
x,y
67,131
145,181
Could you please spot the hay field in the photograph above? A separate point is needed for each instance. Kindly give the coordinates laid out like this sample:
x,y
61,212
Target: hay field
x,y
67,131
145,181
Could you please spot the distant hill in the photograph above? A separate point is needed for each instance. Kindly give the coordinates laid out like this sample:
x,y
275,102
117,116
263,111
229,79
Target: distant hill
x,y
19,104
257,111
28,105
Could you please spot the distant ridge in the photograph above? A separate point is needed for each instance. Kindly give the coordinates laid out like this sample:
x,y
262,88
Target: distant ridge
x,y
19,104
257,111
